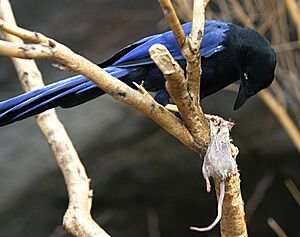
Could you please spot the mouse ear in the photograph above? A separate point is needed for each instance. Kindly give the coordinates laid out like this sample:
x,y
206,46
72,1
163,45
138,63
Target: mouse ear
x,y
228,124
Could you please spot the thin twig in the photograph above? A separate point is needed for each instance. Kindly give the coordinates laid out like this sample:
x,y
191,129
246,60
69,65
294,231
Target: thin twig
x,y
153,223
294,10
282,116
258,194
173,22
291,186
276,227
279,48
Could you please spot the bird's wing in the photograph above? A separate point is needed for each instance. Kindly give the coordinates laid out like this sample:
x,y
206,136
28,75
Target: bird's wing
x,y
137,53
214,36
124,51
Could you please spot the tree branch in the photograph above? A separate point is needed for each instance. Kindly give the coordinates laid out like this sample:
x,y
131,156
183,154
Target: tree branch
x,y
233,222
177,87
77,219
173,22
194,58
188,100
186,94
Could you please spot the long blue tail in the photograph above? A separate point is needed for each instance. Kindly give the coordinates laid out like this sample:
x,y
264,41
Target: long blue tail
x,y
65,93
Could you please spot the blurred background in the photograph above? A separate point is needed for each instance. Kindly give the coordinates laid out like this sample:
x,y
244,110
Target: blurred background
x,y
145,182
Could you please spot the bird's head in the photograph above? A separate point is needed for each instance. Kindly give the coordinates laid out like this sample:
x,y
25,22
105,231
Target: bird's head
x,y
258,66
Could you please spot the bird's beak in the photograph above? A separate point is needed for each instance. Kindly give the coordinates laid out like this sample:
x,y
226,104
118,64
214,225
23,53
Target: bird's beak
x,y
241,98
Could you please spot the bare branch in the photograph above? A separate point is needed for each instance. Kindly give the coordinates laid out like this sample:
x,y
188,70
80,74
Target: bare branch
x,y
294,191
173,22
9,27
198,26
189,46
233,214
276,227
77,219
176,85
25,51
259,193
294,10
282,116
188,98
186,94
193,57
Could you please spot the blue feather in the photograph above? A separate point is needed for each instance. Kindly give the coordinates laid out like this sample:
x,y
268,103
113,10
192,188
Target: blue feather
x,y
214,34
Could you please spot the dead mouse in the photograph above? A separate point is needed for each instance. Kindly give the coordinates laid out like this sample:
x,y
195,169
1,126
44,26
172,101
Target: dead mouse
x,y
219,162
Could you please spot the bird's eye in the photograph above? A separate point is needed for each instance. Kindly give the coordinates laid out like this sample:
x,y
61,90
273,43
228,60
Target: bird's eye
x,y
245,76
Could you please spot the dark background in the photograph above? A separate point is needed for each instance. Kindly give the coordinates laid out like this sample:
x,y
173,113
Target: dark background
x,y
145,182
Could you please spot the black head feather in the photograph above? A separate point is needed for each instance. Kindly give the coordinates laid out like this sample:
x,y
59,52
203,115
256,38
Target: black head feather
x,y
258,61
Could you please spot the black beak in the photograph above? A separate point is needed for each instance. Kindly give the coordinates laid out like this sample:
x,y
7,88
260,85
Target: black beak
x,y
241,98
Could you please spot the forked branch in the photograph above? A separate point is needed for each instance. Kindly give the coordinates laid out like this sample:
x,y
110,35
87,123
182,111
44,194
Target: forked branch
x,y
186,94
187,100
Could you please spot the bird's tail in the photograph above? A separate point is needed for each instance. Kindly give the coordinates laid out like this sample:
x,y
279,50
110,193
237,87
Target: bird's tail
x,y
65,93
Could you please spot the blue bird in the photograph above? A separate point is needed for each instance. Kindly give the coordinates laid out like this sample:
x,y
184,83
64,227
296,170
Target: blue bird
x,y
229,53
